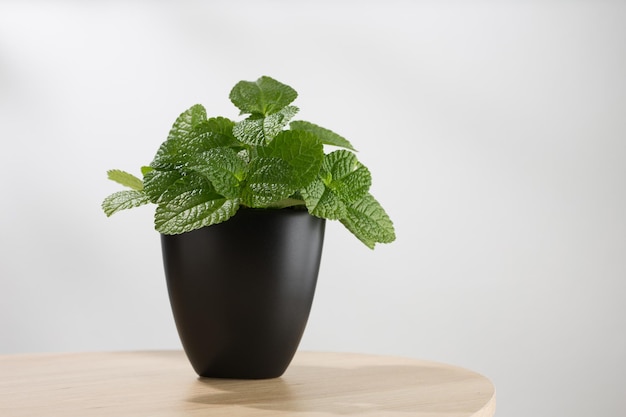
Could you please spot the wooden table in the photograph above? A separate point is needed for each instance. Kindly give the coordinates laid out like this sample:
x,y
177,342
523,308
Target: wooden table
x,y
162,384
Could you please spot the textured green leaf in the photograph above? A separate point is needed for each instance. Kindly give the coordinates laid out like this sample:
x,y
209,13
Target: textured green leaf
x,y
328,137
181,151
301,150
221,125
342,180
268,180
157,182
205,135
190,203
258,130
215,132
353,185
187,121
322,202
345,175
126,179
190,181
369,222
123,200
340,163
172,154
263,97
224,168
192,210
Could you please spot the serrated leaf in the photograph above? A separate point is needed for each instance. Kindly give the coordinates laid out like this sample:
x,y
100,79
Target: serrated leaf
x,y
125,179
322,202
190,203
208,134
157,182
190,181
224,168
345,175
342,180
257,130
353,185
187,121
301,150
268,180
221,125
177,152
369,222
263,97
215,132
123,200
340,163
192,210
328,137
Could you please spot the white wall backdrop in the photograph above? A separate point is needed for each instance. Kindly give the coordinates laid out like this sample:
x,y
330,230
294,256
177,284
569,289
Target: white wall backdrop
x,y
495,131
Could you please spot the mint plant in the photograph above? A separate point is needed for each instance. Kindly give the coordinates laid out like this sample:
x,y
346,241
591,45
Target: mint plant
x,y
208,168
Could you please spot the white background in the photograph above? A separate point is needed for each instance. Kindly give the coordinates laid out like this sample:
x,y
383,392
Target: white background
x,y
495,132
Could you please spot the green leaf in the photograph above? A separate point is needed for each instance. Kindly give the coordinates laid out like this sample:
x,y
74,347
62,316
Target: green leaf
x,y
126,179
263,97
190,181
301,150
328,137
146,169
224,168
342,180
257,130
187,120
268,180
345,175
220,125
123,200
369,222
215,132
322,202
192,210
191,203
157,182
177,152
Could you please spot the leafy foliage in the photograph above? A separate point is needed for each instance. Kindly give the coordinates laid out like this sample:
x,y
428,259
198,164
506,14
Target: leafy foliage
x,y
210,167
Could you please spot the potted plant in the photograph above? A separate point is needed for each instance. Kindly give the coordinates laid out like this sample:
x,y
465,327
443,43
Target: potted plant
x,y
241,208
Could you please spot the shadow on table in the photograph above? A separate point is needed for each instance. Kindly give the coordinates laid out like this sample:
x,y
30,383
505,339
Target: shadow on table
x,y
350,391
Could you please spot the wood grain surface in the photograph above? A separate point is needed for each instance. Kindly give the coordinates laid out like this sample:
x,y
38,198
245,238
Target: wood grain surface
x,y
162,384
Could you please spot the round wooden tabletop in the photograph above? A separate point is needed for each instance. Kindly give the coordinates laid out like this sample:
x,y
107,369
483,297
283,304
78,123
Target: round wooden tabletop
x,y
162,384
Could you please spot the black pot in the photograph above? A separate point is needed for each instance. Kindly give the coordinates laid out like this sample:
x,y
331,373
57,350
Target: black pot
x,y
241,291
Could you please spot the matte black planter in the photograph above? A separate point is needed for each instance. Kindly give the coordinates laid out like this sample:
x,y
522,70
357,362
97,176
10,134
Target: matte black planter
x,y
241,291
